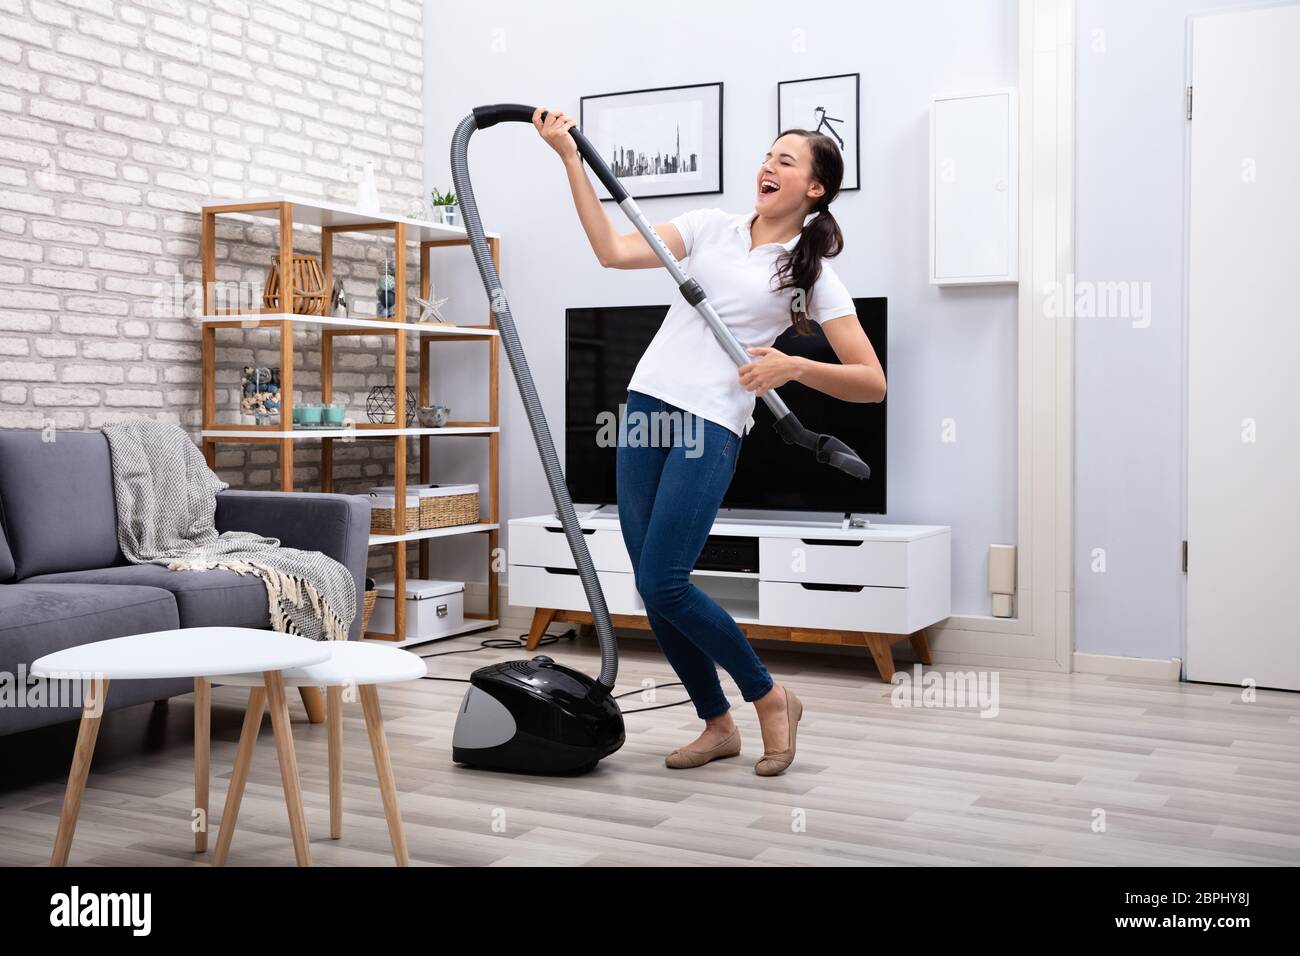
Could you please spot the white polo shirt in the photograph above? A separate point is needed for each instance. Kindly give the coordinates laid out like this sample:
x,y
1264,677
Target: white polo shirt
x,y
684,364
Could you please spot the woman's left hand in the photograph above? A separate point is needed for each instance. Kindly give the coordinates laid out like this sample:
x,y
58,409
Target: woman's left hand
x,y
773,370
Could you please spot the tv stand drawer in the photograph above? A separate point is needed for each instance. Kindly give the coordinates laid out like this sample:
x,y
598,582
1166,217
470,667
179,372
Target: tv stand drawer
x,y
561,587
548,547
834,561
787,604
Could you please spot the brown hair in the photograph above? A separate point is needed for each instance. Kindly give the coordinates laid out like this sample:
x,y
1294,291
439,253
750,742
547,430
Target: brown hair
x,y
821,238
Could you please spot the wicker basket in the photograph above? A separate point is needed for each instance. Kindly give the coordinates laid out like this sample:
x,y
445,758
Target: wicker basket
x,y
382,517
442,506
367,609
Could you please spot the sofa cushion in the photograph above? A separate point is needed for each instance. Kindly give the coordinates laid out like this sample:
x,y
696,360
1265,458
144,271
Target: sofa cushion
x,y
203,598
56,498
39,619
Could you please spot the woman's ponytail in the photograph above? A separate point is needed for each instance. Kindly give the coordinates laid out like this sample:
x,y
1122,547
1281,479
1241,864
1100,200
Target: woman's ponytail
x,y
821,238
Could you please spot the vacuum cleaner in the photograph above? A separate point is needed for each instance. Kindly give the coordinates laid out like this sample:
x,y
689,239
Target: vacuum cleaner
x,y
537,716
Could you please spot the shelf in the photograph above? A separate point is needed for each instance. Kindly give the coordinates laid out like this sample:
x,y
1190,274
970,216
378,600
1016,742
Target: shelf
x,y
726,574
320,212
378,539
471,624
359,325
293,215
362,431
769,527
742,611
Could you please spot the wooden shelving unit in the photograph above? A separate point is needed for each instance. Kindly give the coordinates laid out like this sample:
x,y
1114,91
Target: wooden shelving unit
x,y
332,219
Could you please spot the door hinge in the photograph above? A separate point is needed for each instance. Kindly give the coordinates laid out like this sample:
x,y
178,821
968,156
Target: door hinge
x,y
1184,557
1189,102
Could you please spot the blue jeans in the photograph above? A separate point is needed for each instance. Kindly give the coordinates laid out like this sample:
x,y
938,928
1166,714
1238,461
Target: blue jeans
x,y
667,500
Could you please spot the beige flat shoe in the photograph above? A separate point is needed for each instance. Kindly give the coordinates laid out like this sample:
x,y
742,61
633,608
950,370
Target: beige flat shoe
x,y
683,759
775,762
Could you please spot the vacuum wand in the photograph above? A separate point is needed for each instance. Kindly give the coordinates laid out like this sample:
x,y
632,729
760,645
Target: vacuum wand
x,y
828,449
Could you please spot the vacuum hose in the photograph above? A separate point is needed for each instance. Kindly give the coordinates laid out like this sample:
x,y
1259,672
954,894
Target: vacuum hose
x,y
487,270
827,448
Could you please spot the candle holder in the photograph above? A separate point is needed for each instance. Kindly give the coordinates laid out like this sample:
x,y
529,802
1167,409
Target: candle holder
x,y
381,405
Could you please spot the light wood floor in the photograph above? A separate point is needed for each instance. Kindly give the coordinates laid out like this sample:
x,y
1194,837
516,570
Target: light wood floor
x,y
1186,774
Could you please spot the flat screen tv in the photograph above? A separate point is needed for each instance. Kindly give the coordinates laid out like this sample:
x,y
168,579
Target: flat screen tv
x,y
603,348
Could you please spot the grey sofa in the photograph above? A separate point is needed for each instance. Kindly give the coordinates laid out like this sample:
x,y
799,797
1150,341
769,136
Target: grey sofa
x,y
63,581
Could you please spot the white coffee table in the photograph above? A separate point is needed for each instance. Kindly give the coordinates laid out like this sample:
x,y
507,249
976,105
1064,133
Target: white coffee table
x,y
200,653
351,665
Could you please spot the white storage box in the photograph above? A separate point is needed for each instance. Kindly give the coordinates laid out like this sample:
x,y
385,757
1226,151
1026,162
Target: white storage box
x,y
433,608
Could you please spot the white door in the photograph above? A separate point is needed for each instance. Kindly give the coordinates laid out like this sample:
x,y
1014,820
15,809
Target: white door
x,y
1243,427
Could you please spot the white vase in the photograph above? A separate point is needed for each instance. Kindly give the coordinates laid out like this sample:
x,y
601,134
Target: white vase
x,y
367,191
449,215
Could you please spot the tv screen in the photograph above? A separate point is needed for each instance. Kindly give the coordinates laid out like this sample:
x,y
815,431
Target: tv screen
x,y
603,348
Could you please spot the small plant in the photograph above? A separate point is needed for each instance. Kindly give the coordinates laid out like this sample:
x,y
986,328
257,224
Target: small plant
x,y
442,199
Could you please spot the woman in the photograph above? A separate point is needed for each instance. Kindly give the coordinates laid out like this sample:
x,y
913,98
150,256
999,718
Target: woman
x,y
763,270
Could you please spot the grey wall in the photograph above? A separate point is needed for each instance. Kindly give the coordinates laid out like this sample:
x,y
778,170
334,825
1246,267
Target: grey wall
x,y
952,352
1129,383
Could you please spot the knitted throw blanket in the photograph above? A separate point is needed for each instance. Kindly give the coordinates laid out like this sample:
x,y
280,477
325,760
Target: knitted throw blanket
x,y
166,502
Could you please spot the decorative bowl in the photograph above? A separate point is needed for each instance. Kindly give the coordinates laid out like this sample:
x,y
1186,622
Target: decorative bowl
x,y
433,416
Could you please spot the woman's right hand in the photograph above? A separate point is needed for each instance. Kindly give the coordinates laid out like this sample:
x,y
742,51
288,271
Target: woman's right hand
x,y
555,130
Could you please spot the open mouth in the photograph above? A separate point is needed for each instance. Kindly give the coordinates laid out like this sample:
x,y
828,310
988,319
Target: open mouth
x,y
767,186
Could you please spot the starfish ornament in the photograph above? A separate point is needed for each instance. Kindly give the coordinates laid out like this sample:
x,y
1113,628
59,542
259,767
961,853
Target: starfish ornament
x,y
430,310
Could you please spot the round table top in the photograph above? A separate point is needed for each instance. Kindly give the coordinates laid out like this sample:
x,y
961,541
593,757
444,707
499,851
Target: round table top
x,y
350,662
185,652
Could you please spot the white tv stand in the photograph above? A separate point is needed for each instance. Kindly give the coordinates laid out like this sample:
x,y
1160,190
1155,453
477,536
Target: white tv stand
x,y
817,582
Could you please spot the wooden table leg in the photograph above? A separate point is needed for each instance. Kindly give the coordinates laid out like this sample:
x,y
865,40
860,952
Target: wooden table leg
x,y
334,711
311,699
239,777
288,766
384,771
92,712
202,752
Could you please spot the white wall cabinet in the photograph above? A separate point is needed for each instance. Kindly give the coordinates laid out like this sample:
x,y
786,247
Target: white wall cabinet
x,y
973,188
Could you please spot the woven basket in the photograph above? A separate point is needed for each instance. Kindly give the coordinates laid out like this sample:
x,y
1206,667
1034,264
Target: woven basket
x,y
382,517
367,609
446,510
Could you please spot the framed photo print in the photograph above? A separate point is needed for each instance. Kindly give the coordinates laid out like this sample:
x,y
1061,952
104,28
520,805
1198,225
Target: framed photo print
x,y
661,142
825,104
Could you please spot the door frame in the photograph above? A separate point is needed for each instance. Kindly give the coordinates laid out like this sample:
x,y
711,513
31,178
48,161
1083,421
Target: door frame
x,y
1041,636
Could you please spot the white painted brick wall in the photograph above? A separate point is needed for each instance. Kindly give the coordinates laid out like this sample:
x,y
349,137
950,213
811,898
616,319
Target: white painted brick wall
x,y
117,121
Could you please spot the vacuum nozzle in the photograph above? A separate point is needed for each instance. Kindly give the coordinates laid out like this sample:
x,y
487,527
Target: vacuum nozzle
x,y
827,449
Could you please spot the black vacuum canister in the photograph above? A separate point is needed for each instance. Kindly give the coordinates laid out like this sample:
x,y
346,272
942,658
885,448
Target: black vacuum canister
x,y
535,716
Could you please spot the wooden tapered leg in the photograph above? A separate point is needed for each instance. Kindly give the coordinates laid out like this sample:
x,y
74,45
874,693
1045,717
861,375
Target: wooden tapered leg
x,y
542,618
921,647
288,766
239,776
334,711
881,652
384,771
92,713
311,699
202,751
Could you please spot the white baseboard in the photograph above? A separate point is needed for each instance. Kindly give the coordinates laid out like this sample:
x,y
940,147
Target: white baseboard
x,y
519,619
1150,668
